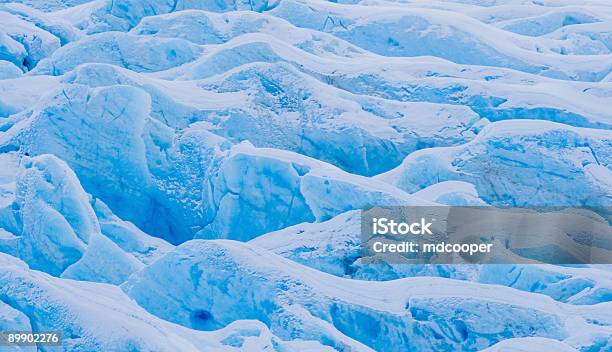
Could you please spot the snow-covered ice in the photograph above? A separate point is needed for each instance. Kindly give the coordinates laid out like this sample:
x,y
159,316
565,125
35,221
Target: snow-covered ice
x,y
188,175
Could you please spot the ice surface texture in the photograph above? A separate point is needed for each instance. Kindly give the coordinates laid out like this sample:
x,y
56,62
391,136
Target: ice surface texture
x,y
187,175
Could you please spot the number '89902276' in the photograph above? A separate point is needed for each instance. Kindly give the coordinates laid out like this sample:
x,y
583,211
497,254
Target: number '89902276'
x,y
25,338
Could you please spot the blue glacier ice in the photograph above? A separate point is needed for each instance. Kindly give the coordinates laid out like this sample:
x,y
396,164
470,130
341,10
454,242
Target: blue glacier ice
x,y
94,317
561,166
383,127
121,49
417,32
207,280
181,175
36,42
203,27
49,223
212,196
549,22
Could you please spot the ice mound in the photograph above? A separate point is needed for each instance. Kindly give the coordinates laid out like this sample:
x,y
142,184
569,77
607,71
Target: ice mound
x,y
333,247
58,27
419,32
140,54
166,106
123,122
94,316
186,183
202,283
592,37
494,93
257,190
387,130
23,43
202,27
329,124
48,222
53,222
544,164
550,21
589,285
123,15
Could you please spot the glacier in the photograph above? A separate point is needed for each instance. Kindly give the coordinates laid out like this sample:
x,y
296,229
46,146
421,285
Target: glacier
x,y
298,302
189,175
